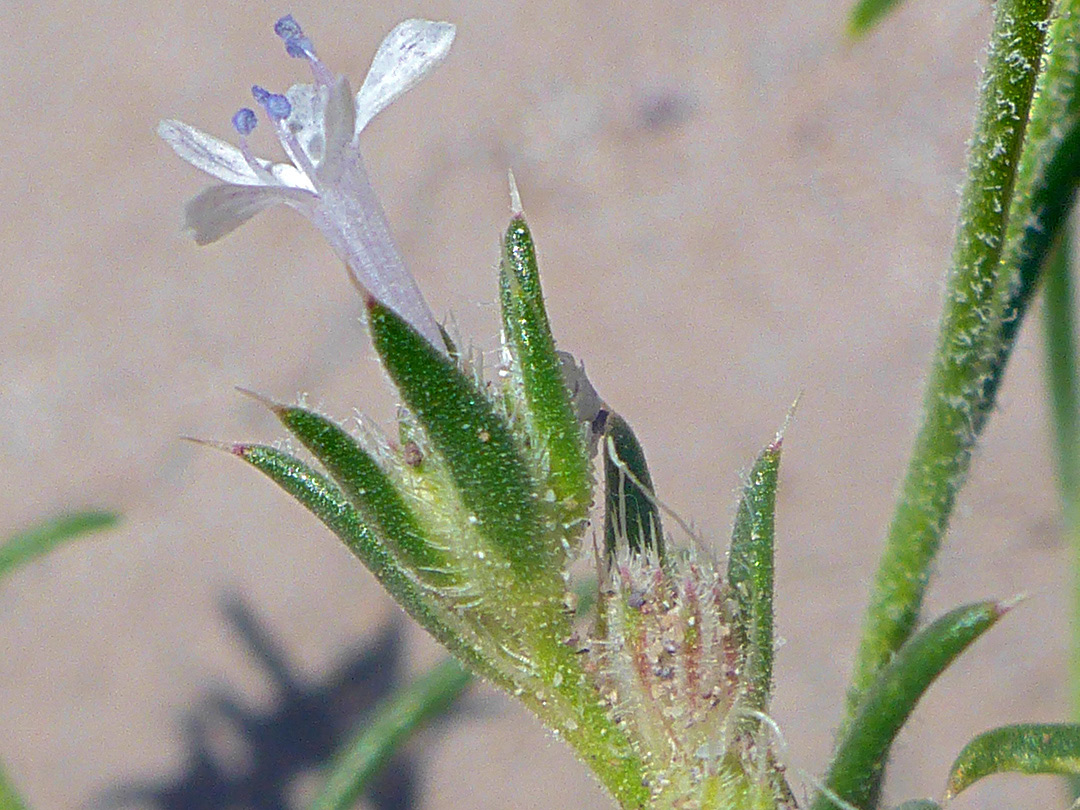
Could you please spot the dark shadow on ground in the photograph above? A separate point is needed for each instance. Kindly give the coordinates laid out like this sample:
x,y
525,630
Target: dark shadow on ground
x,y
244,758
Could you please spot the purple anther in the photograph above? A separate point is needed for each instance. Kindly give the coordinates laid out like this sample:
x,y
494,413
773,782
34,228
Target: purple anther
x,y
297,45
276,106
288,28
245,120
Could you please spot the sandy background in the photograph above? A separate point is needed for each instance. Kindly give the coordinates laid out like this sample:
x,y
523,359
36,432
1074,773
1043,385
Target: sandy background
x,y
732,205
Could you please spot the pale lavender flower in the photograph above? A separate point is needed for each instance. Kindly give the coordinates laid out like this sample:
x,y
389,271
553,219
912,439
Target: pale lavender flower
x,y
319,126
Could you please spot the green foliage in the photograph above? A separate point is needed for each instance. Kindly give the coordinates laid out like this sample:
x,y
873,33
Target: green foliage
x,y
548,410
476,443
750,572
390,726
977,293
1036,748
9,797
857,767
44,537
865,14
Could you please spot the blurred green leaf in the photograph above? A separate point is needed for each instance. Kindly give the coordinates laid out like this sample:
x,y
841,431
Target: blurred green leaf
x,y
46,536
865,14
389,727
750,571
918,804
475,442
552,419
1036,748
630,511
859,762
9,797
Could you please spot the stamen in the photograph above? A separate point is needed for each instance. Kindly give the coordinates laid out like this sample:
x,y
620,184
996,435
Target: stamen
x,y
297,44
296,152
276,106
245,121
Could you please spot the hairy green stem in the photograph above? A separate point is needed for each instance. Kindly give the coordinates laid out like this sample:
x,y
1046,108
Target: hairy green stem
x,y
976,294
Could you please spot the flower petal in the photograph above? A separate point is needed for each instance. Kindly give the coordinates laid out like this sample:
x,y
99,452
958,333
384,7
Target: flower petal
x,y
408,53
213,156
307,119
339,123
220,210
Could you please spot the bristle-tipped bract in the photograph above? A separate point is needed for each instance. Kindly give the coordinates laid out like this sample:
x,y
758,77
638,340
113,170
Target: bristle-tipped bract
x,y
537,379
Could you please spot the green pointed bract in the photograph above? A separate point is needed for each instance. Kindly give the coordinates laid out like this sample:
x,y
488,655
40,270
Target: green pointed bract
x,y
630,512
859,762
550,413
475,442
365,484
320,496
750,573
1035,748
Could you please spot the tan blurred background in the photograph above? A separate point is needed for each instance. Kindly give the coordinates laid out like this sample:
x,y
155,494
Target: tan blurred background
x,y
732,205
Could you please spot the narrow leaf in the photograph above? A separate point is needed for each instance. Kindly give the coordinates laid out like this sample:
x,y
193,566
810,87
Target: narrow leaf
x,y
855,773
630,512
866,14
750,571
320,496
46,536
9,797
918,804
474,440
364,483
391,725
528,334
1036,748
969,338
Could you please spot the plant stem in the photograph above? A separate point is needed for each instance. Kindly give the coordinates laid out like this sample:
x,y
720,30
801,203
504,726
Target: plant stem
x,y
976,293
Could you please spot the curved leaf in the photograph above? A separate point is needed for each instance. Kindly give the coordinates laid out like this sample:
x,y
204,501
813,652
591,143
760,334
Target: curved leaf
x,y
855,773
46,536
1035,748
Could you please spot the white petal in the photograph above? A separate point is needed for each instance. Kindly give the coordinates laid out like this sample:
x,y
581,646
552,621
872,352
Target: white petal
x,y
339,123
408,53
215,157
307,119
220,210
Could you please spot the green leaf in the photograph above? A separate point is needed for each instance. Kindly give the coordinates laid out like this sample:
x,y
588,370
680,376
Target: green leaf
x,y
476,444
364,483
630,511
866,14
857,766
918,804
44,537
554,425
391,725
320,496
750,571
977,291
9,797
1035,748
